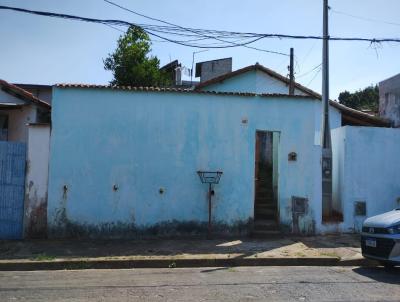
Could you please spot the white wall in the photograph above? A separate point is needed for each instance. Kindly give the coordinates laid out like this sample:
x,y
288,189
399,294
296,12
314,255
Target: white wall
x,y
18,120
35,220
366,164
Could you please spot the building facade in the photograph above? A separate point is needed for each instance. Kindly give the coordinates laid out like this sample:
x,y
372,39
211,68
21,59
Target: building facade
x,y
128,164
24,118
389,99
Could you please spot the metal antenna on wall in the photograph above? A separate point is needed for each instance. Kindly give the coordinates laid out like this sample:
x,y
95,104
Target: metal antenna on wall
x,y
191,71
325,130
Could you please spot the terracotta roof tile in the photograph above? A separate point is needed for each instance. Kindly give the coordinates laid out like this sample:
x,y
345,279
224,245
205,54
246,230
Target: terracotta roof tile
x,y
367,118
179,90
22,93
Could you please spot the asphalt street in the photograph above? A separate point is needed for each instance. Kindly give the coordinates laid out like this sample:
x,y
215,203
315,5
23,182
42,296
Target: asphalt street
x,y
204,284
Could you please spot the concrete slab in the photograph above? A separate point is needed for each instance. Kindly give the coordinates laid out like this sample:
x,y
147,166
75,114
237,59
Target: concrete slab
x,y
59,254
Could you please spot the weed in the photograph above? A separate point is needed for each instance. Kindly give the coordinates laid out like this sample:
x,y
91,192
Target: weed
x,y
300,254
44,257
79,265
331,254
172,265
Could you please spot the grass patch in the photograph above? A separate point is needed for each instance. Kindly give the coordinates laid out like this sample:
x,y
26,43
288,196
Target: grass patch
x,y
329,254
79,265
300,255
44,257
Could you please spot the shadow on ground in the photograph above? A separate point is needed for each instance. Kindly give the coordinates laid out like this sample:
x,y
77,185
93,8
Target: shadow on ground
x,y
380,274
244,247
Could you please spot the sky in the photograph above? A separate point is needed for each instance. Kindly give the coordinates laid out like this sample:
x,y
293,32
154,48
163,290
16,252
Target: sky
x,y
42,50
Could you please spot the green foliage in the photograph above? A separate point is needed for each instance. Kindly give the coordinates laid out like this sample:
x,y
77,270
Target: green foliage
x,y
366,99
44,257
131,64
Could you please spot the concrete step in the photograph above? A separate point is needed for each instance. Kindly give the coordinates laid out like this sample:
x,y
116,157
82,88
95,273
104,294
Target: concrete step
x,y
264,198
268,210
265,211
264,192
264,201
265,224
264,216
271,206
264,181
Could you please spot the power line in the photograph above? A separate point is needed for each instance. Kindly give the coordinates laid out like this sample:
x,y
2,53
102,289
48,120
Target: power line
x,y
118,23
364,18
192,30
316,73
308,72
309,51
116,28
151,29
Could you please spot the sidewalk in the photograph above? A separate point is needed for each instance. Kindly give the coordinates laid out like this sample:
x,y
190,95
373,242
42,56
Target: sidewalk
x,y
82,254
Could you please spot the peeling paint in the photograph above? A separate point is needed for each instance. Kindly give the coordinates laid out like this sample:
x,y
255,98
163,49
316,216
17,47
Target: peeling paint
x,y
35,216
160,140
37,227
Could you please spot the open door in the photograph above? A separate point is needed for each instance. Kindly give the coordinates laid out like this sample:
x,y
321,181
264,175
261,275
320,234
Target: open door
x,y
266,180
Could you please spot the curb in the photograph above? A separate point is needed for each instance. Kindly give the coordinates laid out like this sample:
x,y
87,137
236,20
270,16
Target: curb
x,y
176,263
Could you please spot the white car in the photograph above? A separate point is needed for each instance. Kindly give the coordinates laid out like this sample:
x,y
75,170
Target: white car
x,y
380,238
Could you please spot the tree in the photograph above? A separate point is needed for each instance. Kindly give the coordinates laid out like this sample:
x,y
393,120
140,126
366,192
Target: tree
x,y
131,64
366,99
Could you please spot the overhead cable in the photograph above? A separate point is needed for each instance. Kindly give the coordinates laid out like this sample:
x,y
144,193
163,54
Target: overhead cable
x,y
155,30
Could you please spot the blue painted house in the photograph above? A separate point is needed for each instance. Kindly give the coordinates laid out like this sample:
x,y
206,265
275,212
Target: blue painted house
x,y
124,160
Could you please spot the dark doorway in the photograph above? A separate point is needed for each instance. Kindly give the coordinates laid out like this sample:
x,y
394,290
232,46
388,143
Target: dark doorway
x,y
266,183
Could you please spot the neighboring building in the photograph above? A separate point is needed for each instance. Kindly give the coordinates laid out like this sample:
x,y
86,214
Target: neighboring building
x,y
128,164
389,99
366,174
211,69
176,72
42,92
18,108
24,143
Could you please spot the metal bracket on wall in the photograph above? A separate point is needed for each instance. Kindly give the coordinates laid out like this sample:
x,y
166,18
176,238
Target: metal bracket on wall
x,y
210,178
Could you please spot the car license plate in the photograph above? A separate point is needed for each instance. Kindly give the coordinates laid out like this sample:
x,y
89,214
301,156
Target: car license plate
x,y
370,242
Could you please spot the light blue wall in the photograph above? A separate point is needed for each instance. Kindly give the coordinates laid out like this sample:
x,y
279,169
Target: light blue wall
x,y
144,141
252,81
367,165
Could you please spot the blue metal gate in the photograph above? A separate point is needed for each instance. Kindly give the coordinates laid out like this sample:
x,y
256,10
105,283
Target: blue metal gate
x,y
12,189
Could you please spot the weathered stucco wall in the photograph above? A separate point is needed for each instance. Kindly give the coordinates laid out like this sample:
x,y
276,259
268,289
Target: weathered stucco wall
x,y
389,99
367,165
18,120
35,217
125,162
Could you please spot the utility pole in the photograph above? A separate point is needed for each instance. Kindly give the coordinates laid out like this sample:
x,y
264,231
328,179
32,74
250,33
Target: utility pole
x,y
325,128
291,73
